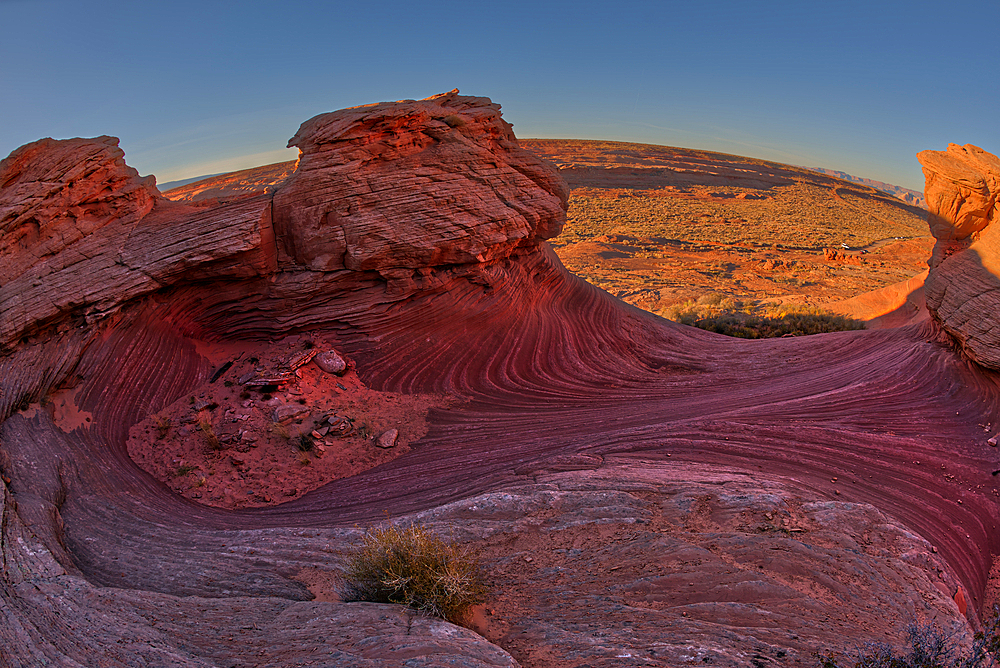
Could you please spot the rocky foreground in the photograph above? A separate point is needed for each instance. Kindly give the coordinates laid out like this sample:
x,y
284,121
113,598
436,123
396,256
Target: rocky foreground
x,y
642,493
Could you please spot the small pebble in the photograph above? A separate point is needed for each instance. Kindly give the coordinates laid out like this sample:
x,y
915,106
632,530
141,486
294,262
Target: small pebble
x,y
387,439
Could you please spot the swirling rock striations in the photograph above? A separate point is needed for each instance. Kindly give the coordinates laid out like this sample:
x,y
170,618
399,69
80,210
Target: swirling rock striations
x,y
641,489
963,288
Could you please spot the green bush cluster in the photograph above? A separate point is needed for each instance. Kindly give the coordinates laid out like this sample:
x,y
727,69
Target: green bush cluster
x,y
729,316
414,567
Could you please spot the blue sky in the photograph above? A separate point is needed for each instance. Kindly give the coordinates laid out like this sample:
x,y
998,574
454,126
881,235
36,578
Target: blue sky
x,y
200,87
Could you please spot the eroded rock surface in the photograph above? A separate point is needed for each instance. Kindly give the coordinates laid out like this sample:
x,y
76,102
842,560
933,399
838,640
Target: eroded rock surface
x,y
963,288
55,193
642,490
403,186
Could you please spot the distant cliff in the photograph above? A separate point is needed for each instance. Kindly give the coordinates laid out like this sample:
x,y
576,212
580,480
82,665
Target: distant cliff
x,y
909,196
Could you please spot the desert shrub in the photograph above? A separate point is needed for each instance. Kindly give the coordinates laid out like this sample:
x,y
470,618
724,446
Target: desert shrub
x,y
208,433
729,316
414,567
305,443
162,426
280,430
929,647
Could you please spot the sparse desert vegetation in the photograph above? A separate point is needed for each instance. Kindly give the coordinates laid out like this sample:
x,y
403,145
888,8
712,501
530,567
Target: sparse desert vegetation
x,y
413,566
725,315
659,227
928,647
258,443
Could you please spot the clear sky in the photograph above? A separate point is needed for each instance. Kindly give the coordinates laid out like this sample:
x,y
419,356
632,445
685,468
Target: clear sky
x,y
201,87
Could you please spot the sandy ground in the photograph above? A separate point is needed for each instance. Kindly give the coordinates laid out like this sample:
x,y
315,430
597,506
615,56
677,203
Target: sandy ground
x,y
231,444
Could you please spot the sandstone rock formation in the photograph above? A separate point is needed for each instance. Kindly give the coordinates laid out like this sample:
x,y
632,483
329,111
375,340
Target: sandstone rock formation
x,y
387,187
963,288
643,491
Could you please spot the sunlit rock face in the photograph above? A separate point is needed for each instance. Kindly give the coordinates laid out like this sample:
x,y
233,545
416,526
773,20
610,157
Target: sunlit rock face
x,y
54,193
404,185
963,288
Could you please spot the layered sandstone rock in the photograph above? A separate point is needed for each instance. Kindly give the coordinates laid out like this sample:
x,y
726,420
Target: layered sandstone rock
x,y
55,193
963,287
81,234
397,186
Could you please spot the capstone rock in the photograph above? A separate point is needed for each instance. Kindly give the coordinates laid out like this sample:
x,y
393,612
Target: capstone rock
x,y
405,185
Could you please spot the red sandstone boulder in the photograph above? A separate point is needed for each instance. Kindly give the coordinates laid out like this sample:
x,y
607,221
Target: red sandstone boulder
x,y
963,287
54,193
403,185
81,234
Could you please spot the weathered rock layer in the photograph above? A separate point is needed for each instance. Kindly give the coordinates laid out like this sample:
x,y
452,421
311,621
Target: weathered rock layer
x,y
963,288
691,495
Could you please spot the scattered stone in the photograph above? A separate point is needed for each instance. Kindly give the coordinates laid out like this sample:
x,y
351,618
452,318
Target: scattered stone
x,y
316,434
223,369
331,362
247,377
302,359
993,441
288,412
340,426
387,439
275,379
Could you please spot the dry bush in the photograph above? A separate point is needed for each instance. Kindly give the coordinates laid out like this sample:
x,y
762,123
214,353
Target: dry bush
x,y
162,427
280,430
414,567
208,433
929,647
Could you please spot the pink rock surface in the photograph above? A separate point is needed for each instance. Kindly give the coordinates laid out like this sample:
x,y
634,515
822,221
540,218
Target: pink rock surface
x,y
55,193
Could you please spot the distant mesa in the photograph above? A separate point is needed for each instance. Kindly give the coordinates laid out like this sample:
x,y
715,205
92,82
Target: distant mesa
x,y
218,188
909,196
